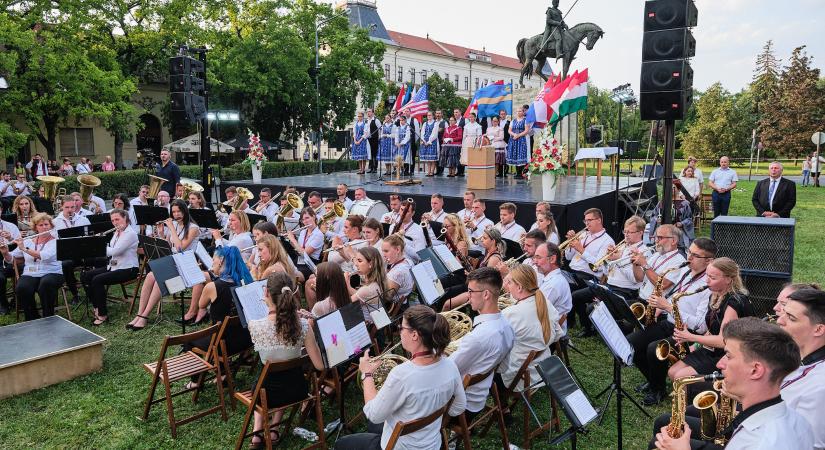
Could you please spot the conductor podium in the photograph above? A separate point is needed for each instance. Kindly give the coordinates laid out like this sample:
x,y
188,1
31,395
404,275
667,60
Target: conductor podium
x,y
481,168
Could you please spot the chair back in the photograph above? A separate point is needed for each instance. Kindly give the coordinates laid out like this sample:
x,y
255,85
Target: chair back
x,y
171,341
404,428
471,380
524,371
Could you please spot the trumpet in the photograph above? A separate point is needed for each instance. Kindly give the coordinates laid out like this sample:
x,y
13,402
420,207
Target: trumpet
x,y
603,260
512,262
563,246
771,318
627,260
348,244
296,230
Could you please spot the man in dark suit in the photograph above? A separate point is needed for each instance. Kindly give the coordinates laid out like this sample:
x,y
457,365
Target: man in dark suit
x,y
442,125
374,125
459,120
774,196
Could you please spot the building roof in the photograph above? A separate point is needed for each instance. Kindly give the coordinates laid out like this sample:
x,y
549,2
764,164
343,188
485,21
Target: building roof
x,y
430,45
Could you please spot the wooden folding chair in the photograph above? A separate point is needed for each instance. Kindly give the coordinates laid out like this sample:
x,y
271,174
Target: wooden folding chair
x,y
185,365
404,428
256,401
490,412
17,309
224,356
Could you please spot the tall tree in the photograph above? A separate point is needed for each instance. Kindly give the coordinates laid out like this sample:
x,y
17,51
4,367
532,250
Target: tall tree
x,y
443,96
765,76
720,127
10,138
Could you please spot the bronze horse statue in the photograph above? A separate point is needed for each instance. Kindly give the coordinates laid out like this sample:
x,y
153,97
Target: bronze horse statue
x,y
528,49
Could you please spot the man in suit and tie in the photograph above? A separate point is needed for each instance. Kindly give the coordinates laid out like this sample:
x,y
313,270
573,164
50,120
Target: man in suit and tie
x,y
774,196
374,125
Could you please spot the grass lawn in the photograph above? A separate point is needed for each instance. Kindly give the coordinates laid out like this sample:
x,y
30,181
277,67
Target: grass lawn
x,y
101,410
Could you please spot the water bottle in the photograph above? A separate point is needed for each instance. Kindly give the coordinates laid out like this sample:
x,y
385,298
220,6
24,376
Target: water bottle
x,y
305,434
332,426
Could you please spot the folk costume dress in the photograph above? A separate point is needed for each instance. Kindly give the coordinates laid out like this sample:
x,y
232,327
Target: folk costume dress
x,y
360,152
518,150
429,144
402,142
453,136
387,145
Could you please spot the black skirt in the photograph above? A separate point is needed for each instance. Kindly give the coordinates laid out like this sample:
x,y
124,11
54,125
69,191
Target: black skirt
x,y
703,360
284,388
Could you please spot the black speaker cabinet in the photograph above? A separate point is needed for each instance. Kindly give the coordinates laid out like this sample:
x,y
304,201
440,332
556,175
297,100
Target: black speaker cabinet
x,y
671,75
759,245
342,139
668,44
666,14
763,290
665,105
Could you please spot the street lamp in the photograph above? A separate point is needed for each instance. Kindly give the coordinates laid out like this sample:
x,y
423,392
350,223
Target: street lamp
x,y
315,73
217,117
624,96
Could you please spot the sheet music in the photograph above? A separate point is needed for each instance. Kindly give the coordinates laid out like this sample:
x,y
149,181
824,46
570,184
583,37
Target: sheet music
x,y
581,407
428,283
335,337
188,268
359,337
203,255
380,318
251,297
449,260
175,285
611,334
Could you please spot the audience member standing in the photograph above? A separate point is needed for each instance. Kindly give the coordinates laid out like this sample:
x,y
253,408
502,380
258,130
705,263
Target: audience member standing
x,y
722,180
816,166
108,165
774,196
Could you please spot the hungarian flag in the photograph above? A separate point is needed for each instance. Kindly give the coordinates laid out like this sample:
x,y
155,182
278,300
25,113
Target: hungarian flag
x,y
539,111
573,98
400,99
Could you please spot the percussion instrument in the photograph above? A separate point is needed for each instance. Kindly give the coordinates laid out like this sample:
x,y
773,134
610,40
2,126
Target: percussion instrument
x,y
374,209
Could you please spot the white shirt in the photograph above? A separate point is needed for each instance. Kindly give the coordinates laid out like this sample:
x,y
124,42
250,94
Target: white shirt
x,y
14,232
438,217
123,250
480,350
269,211
82,168
412,392
529,336
46,264
623,276
804,392
773,428
692,308
466,213
242,240
347,203
511,231
595,247
7,188
418,242
136,201
390,217
660,263
481,224
471,133
22,188
723,178
182,234
314,240
61,222
557,291
401,274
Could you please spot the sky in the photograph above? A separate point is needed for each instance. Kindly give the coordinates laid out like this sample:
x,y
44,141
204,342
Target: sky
x,y
729,35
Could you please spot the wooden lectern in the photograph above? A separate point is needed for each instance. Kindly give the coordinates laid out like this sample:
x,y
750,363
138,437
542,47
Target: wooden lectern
x,y
481,168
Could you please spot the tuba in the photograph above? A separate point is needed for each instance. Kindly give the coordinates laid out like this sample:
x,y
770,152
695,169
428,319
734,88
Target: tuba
x,y
190,186
243,194
87,185
49,184
155,184
293,202
338,210
460,325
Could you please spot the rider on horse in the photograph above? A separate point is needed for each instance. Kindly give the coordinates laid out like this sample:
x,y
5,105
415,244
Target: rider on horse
x,y
554,28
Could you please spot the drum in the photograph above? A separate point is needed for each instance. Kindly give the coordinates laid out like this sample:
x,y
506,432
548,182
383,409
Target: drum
x,y
369,209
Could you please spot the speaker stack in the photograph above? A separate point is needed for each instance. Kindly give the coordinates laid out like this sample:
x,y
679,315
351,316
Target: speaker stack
x,y
186,89
667,79
763,248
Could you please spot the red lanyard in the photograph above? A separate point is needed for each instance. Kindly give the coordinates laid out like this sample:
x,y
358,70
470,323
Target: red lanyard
x,y
504,229
684,287
801,376
307,232
661,263
595,238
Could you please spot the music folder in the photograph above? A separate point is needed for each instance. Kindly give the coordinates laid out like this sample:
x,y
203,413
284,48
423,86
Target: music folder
x,y
205,218
176,272
10,218
80,248
513,249
568,393
341,335
386,228
249,301
86,230
150,215
103,217
427,282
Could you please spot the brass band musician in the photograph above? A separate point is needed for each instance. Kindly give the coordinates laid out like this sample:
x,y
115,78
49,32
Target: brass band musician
x,y
8,233
507,225
69,218
620,272
585,249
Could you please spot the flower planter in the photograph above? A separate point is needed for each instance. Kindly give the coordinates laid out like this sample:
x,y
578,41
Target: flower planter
x,y
257,170
548,186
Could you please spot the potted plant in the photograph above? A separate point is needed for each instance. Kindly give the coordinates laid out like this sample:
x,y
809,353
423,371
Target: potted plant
x,y
546,163
256,157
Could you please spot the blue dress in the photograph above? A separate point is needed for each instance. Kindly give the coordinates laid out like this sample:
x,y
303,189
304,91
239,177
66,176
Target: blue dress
x,y
404,150
429,152
518,150
387,144
359,151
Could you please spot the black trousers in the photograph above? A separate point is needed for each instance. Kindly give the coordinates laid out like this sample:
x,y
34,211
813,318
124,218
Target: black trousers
x,y
7,272
46,287
95,281
371,440
582,296
68,271
692,421
644,356
373,158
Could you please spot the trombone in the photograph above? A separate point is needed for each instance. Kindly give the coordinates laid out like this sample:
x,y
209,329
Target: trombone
x,y
575,237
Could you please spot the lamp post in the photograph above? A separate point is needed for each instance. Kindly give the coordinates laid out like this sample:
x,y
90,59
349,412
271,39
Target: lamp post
x,y
624,96
316,72
217,117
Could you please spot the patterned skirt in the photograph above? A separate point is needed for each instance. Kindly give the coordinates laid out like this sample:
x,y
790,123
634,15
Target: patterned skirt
x,y
501,156
385,149
428,152
518,151
453,153
359,151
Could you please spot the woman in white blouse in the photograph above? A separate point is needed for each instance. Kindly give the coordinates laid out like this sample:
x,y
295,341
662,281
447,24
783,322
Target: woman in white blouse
x,y
373,233
370,268
42,272
495,133
121,201
534,320
182,235
412,390
470,138
239,234
281,336
546,223
691,183
309,243
122,267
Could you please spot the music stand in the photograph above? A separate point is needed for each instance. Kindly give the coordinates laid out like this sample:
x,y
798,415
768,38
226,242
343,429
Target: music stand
x,y
81,249
513,249
150,215
205,218
103,217
255,218
615,303
10,218
154,248
85,230
569,396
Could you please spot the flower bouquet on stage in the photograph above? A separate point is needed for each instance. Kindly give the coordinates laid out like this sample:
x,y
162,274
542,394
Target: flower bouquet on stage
x,y
256,157
546,164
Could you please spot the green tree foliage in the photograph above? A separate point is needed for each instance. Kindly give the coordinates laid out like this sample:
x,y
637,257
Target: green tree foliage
x,y
722,125
765,76
10,138
443,96
797,109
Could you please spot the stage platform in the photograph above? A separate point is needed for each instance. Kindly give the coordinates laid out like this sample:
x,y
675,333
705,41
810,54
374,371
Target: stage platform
x,y
46,351
574,194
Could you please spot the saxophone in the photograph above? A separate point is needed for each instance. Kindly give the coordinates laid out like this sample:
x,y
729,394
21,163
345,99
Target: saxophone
x,y
658,289
677,417
664,351
714,418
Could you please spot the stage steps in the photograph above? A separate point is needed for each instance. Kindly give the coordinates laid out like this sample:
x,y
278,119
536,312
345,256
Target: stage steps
x,y
637,201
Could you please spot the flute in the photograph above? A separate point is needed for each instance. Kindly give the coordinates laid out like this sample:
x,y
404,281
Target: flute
x,y
348,244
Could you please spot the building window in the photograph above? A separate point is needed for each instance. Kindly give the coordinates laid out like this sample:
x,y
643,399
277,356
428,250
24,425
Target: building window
x,y
400,74
412,75
447,76
423,76
77,142
387,71
466,83
456,82
476,83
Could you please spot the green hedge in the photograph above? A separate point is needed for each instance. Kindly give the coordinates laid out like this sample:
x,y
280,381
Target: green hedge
x,y
129,181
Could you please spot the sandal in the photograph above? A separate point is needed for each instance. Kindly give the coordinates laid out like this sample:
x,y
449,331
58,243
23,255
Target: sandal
x,y
100,321
191,385
137,328
259,444
273,430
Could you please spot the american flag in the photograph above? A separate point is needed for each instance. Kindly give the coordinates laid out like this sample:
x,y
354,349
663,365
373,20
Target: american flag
x,y
420,103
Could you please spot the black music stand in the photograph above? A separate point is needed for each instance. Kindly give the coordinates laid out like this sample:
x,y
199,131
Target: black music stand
x,y
615,302
164,268
513,249
205,218
85,230
154,248
150,215
81,249
103,217
255,218
10,218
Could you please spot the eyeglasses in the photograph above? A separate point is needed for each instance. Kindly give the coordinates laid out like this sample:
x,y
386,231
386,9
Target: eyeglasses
x,y
659,238
586,221
696,255
470,291
625,232
407,328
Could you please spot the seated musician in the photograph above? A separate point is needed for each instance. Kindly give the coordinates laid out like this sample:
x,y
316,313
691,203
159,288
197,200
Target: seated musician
x,y
42,272
266,207
24,208
535,324
692,308
757,357
399,269
620,276
493,250
373,232
69,218
478,223
490,341
436,213
142,198
309,243
529,243
271,258
8,233
316,202
331,287
507,225
21,187
79,209
96,204
583,250
395,209
728,301
341,195
182,235
262,229
239,235
412,390
121,201
229,271
122,267
454,228
412,232
179,190
198,201
553,284
293,219
280,336
547,224
369,266
467,213
542,207
163,200
334,227
341,254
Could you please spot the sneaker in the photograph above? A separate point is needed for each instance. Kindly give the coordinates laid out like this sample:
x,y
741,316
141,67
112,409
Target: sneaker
x,y
653,398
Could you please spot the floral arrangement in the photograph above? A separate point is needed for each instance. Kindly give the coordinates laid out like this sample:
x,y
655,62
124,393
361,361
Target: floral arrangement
x,y
256,156
548,156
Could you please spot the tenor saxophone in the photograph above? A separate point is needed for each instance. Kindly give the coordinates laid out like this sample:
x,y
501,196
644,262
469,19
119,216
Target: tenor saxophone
x,y
658,289
664,351
677,417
